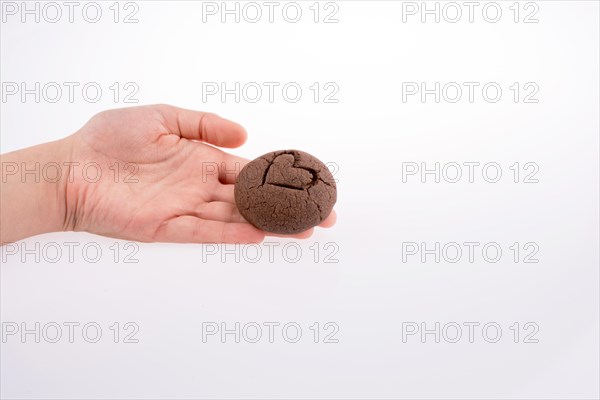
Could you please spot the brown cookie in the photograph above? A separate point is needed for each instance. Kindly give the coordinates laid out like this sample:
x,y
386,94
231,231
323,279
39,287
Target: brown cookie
x,y
287,191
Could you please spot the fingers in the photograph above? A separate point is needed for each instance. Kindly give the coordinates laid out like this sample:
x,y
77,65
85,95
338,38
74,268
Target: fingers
x,y
205,127
189,229
219,211
302,235
327,223
220,222
223,193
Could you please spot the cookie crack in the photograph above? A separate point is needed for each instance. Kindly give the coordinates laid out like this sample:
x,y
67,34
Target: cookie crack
x,y
326,183
264,178
316,203
314,173
283,185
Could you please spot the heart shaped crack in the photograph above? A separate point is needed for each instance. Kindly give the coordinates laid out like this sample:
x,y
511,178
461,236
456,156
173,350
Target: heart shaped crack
x,y
285,192
284,172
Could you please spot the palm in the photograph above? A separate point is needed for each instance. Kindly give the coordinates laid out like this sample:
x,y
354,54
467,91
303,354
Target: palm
x,y
158,182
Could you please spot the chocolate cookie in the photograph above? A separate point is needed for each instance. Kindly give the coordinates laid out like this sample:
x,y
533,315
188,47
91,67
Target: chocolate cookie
x,y
287,191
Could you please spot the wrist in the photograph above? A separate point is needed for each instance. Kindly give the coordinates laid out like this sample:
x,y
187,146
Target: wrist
x,y
34,185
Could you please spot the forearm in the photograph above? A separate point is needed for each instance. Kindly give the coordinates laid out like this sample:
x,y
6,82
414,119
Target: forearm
x,y
32,190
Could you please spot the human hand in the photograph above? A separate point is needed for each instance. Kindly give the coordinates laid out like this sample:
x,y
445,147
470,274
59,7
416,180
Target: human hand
x,y
160,180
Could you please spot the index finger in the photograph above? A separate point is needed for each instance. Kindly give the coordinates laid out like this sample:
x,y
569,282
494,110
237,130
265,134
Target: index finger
x,y
203,126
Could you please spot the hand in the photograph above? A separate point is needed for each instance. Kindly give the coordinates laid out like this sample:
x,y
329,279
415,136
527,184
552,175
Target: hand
x,y
159,179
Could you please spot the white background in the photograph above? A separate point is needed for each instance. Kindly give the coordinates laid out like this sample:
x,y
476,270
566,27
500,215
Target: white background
x,y
370,293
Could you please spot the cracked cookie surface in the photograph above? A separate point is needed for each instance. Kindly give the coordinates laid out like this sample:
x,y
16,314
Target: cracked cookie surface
x,y
287,191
